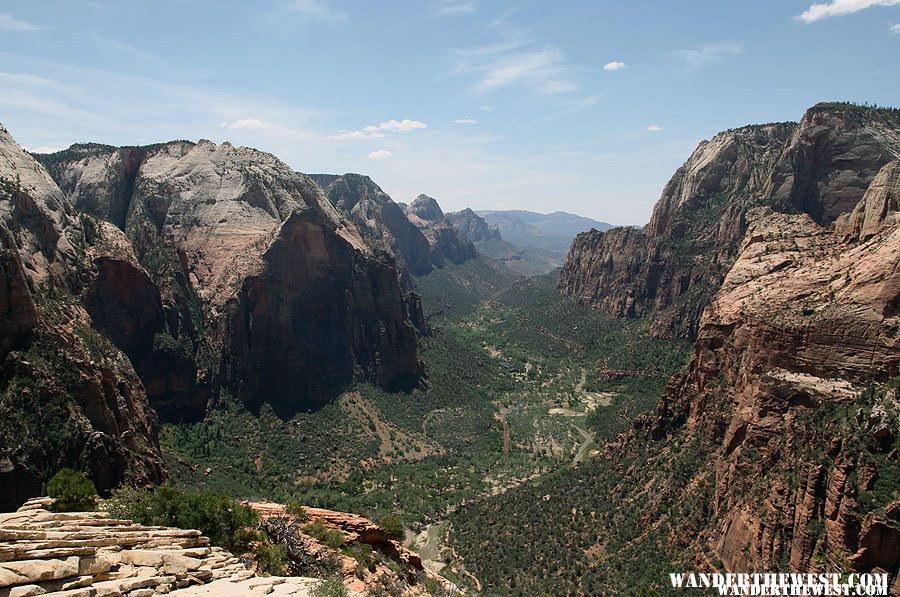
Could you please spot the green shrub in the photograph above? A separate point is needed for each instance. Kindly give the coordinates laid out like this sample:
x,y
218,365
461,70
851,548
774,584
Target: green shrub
x,y
73,492
226,523
316,529
296,510
330,588
392,527
363,553
272,559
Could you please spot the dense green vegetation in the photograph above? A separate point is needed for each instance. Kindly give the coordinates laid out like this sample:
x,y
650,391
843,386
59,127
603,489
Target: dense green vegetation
x,y
226,523
72,491
504,349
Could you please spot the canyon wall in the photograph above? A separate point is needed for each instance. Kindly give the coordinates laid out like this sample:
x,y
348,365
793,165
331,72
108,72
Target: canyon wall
x,y
670,270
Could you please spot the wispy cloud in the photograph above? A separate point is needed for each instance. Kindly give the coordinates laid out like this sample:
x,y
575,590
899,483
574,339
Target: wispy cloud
x,y
654,128
616,65
486,108
8,23
381,154
377,131
710,54
316,10
465,121
87,104
451,8
247,123
840,7
545,70
895,28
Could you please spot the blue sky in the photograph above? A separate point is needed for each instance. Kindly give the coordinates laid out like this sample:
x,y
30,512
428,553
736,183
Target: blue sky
x,y
583,106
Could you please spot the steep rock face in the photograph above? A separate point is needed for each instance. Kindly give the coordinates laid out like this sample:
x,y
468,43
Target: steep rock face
x,y
445,243
472,227
19,311
790,393
252,251
304,326
879,207
832,158
68,397
381,220
672,268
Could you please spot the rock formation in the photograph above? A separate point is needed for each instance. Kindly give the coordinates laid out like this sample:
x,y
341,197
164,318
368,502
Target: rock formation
x,y
792,393
381,220
672,268
380,563
472,227
69,396
446,244
89,554
295,302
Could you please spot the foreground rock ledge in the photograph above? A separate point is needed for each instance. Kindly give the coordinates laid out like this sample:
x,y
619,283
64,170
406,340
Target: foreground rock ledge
x,y
89,554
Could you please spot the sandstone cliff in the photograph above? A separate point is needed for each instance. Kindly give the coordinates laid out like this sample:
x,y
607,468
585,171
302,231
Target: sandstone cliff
x,y
446,243
294,301
69,396
381,220
672,268
792,396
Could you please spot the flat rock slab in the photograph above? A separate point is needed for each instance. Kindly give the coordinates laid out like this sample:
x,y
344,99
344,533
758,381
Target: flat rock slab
x,y
31,571
276,586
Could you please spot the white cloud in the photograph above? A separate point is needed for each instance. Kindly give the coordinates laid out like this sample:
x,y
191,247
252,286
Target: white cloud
x,y
486,108
710,54
45,149
840,7
450,8
381,154
247,123
653,128
616,65
8,23
895,27
545,70
316,10
465,121
347,135
376,131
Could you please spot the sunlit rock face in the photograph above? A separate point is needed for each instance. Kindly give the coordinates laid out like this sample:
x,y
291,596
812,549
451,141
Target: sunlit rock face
x,y
670,270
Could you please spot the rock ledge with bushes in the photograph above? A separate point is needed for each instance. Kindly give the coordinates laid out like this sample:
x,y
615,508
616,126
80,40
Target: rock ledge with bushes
x,y
89,554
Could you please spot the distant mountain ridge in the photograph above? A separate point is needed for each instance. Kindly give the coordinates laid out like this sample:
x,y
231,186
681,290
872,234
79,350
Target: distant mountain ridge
x,y
553,231
529,242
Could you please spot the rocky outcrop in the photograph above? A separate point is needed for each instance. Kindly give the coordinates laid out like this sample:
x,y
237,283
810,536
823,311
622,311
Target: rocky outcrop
x,y
381,220
446,244
426,209
379,561
295,301
672,268
89,554
472,227
69,396
792,392
879,207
